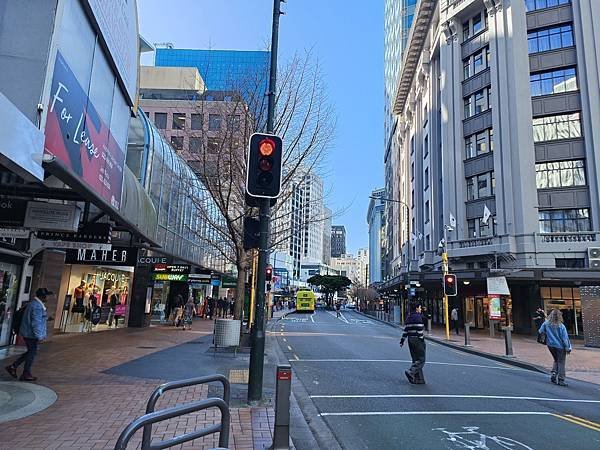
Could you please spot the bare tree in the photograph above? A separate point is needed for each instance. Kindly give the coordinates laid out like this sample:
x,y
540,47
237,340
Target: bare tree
x,y
217,153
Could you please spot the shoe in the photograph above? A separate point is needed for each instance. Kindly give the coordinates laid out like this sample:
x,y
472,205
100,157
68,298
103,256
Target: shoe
x,y
553,379
27,377
12,370
562,383
409,376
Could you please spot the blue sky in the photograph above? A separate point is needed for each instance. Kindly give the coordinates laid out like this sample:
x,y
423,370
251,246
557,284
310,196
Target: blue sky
x,y
347,38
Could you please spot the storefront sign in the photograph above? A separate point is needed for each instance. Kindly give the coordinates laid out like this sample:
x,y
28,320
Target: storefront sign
x,y
52,216
117,256
230,282
201,278
74,245
97,233
12,211
215,279
79,138
14,233
495,311
497,286
171,268
145,260
120,277
169,277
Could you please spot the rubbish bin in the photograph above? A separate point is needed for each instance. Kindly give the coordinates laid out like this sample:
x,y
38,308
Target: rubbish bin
x,y
227,333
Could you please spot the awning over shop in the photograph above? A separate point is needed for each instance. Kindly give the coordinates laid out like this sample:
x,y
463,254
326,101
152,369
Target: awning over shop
x,y
137,212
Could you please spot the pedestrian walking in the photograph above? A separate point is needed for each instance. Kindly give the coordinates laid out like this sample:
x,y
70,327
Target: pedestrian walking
x,y
454,319
338,306
539,317
32,329
188,314
211,307
231,307
414,331
557,341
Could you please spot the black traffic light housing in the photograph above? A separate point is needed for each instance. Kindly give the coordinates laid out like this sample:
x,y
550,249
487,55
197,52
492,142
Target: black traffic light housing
x,y
263,178
450,285
269,274
251,233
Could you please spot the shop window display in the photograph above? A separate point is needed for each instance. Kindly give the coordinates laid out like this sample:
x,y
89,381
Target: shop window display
x,y
568,301
98,300
8,299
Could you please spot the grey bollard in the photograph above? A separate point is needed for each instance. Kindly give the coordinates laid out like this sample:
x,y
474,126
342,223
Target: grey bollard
x,y
492,328
283,389
468,326
429,326
508,341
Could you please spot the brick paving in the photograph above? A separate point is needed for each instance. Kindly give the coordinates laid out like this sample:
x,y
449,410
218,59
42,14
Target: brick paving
x,y
94,407
583,363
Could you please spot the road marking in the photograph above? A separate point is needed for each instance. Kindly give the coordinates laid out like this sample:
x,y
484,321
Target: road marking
x,y
312,318
289,348
498,397
408,361
296,356
440,413
350,335
343,318
579,421
284,340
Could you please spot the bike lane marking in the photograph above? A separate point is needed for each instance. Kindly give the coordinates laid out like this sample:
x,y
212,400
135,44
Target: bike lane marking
x,y
481,397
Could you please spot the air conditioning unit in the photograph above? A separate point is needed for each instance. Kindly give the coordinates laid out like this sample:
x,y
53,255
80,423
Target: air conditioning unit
x,y
594,257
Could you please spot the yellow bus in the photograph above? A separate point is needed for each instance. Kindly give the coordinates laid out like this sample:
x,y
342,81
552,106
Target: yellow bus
x,y
305,301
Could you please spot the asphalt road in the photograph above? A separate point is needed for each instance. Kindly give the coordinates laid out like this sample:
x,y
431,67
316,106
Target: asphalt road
x,y
353,371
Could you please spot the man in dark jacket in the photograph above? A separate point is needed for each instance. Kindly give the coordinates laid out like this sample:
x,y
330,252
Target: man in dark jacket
x,y
414,331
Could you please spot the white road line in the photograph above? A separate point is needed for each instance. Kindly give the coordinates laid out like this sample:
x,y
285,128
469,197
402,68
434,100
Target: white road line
x,y
484,397
343,318
408,361
439,413
312,319
289,348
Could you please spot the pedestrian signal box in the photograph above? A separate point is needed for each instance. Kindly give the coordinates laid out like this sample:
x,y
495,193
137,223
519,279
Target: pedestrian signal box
x,y
450,287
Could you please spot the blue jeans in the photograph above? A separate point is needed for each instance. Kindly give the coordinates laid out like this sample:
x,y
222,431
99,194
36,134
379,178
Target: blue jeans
x,y
29,356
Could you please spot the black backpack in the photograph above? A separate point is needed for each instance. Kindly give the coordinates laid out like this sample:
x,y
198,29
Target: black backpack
x,y
18,319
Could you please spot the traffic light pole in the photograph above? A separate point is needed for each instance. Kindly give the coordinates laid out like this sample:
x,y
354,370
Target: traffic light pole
x,y
257,352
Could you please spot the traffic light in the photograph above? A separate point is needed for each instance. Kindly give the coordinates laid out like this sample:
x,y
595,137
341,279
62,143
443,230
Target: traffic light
x,y
450,288
269,274
251,233
263,178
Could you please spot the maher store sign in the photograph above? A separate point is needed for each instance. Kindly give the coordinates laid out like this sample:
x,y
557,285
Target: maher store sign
x,y
117,256
79,138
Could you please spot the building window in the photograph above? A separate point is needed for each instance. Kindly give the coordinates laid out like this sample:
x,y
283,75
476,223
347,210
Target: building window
x,y
560,174
426,180
466,68
472,230
564,221
466,30
551,128
160,120
477,24
471,188
425,146
480,102
427,213
553,82
469,147
550,39
234,122
178,121
480,143
197,120
468,107
214,122
491,137
480,186
570,263
213,145
412,171
478,64
177,142
195,144
483,186
534,5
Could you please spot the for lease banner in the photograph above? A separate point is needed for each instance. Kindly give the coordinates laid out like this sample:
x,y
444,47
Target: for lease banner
x,y
77,136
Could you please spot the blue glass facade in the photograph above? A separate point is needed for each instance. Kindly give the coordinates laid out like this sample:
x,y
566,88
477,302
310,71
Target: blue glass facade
x,y
222,70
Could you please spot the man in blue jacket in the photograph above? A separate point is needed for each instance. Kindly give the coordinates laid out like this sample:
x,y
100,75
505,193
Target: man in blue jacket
x,y
33,331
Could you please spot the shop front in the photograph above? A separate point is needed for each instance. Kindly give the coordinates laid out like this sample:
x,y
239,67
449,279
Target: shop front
x,y
94,290
568,301
170,289
10,271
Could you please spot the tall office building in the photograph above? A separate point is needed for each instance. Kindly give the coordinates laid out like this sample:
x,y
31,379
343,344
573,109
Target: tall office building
x,y
327,216
375,215
398,20
497,105
362,265
338,240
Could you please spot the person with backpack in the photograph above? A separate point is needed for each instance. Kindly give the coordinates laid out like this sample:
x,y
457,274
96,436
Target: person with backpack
x,y
31,325
554,333
414,331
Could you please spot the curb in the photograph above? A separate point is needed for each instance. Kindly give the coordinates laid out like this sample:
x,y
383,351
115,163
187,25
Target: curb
x,y
503,359
378,320
283,316
498,358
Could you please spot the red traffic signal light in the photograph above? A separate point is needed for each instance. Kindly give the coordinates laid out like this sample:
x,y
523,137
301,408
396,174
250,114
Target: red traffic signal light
x,y
269,274
264,166
450,285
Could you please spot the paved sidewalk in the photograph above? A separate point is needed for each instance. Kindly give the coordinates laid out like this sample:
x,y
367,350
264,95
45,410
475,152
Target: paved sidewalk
x,y
103,381
583,363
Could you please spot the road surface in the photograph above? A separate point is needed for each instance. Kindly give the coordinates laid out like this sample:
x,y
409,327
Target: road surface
x,y
353,371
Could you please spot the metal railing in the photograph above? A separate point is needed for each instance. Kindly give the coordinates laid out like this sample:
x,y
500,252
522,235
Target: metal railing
x,y
148,419
160,390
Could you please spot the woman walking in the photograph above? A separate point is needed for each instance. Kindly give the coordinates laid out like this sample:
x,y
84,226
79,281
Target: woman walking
x,y
557,340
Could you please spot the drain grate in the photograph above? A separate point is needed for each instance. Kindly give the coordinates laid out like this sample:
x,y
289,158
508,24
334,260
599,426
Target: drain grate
x,y
147,347
238,376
